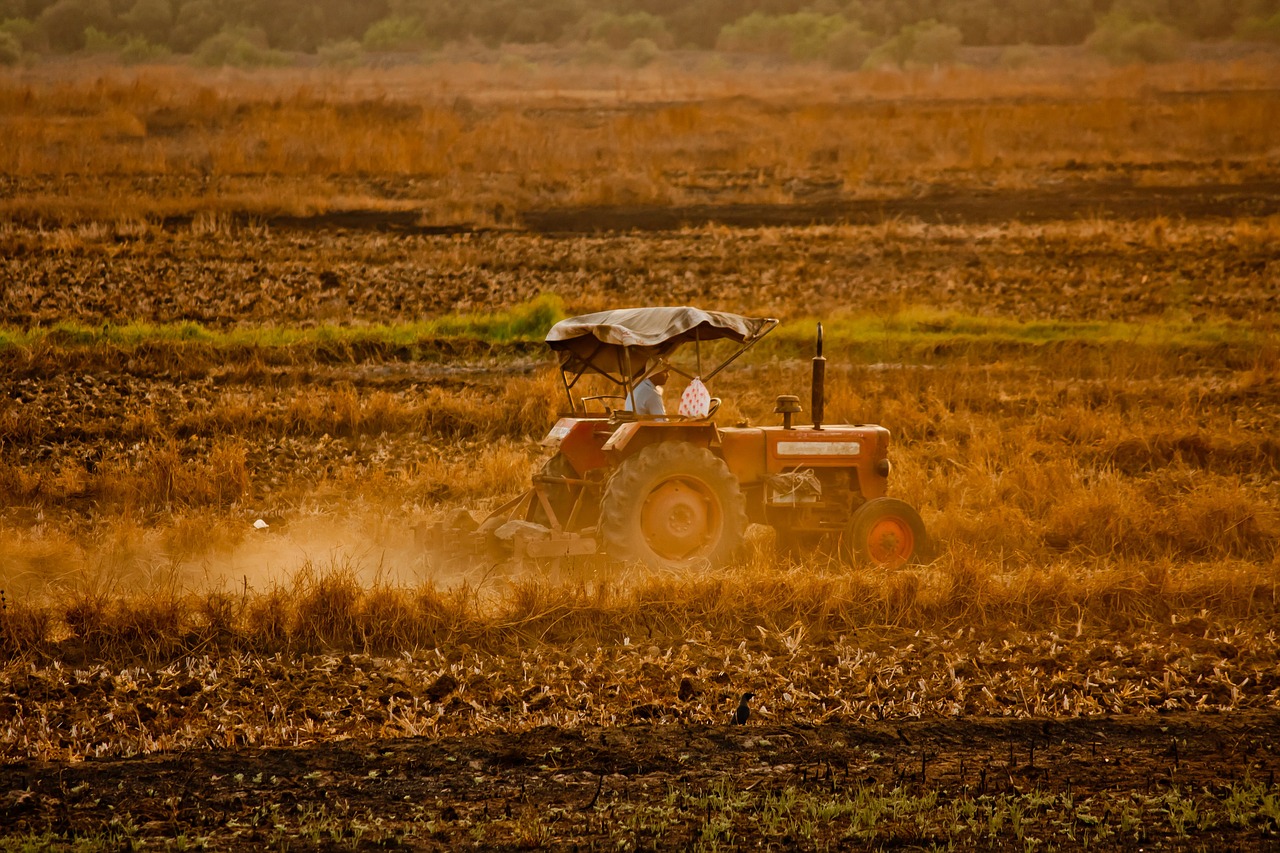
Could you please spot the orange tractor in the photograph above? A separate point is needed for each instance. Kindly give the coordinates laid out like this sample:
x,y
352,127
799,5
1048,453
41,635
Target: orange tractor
x,y
674,490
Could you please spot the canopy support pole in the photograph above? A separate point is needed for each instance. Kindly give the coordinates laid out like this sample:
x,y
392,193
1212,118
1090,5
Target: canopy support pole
x,y
626,370
769,327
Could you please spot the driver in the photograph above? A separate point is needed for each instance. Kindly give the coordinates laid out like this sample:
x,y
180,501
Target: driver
x,y
645,400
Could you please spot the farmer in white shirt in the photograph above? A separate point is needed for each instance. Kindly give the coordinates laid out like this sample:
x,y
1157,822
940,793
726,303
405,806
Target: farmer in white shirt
x,y
645,400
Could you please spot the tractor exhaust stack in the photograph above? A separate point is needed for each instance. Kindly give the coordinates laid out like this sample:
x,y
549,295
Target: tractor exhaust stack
x,y
818,400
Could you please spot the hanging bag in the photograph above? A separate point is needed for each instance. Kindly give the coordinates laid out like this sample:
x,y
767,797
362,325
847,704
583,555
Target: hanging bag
x,y
695,402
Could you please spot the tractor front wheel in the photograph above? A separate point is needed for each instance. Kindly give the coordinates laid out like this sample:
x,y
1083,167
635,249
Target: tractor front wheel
x,y
886,533
673,505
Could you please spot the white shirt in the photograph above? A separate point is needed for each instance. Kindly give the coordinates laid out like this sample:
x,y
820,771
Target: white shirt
x,y
646,399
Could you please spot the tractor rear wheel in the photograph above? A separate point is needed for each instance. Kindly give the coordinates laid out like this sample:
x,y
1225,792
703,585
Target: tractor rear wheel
x,y
673,505
886,533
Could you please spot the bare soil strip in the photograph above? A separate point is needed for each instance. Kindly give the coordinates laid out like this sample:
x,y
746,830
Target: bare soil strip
x,y
949,205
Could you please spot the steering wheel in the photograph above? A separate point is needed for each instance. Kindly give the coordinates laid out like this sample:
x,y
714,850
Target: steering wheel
x,y
609,410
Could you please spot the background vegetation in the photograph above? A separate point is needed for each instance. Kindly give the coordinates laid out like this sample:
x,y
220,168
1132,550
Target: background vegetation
x,y
492,146
845,34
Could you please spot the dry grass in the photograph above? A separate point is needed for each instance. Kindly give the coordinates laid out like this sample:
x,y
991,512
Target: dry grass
x,y
1099,452
338,608
156,143
1060,490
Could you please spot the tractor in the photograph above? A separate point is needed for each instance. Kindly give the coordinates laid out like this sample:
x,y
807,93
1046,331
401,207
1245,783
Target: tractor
x,y
675,491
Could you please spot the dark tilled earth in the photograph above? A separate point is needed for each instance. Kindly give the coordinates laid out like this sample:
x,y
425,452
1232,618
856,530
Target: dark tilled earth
x,y
1108,782
1088,251
942,205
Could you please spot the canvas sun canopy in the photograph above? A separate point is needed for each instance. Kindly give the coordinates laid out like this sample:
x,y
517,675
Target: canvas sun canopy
x,y
611,342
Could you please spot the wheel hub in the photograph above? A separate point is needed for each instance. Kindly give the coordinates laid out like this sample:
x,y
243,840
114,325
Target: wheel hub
x,y
680,518
890,542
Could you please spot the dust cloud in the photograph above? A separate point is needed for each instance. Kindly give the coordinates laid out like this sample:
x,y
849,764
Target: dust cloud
x,y
375,550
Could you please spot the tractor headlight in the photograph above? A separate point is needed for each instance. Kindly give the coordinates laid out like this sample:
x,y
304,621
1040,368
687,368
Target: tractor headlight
x,y
882,467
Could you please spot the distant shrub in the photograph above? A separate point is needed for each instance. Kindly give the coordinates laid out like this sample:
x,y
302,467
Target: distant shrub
x,y
642,52
30,37
1018,56
934,43
138,50
594,53
96,41
513,60
1258,28
849,47
755,33
66,22
196,22
395,33
342,54
1121,40
239,49
925,43
620,31
151,19
803,35
10,49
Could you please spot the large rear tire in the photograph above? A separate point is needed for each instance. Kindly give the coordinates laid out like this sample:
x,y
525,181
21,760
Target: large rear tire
x,y
886,533
673,505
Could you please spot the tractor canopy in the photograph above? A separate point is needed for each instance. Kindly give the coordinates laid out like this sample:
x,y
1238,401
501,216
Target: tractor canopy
x,y
625,344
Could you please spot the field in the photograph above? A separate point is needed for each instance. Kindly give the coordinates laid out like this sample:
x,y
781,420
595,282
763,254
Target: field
x,y
318,299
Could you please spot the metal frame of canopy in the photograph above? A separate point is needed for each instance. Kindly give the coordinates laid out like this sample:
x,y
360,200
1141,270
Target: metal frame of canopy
x,y
608,343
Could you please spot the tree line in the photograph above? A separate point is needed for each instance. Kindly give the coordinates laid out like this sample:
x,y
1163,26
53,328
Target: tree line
x,y
843,32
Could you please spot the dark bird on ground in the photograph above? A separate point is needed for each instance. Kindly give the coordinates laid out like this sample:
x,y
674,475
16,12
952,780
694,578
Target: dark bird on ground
x,y
740,716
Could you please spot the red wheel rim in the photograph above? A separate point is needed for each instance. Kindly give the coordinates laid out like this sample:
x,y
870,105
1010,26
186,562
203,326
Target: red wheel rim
x,y
680,518
890,542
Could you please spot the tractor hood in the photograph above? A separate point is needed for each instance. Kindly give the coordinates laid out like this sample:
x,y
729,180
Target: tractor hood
x,y
597,341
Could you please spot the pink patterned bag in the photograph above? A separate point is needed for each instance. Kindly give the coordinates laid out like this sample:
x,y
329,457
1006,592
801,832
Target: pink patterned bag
x,y
695,402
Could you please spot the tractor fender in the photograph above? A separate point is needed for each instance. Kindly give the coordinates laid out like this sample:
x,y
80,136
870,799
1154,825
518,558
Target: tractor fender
x,y
571,429
578,440
634,436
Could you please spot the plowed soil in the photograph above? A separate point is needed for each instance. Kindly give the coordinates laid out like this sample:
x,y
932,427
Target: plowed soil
x,y
1089,252
584,788
903,739
940,205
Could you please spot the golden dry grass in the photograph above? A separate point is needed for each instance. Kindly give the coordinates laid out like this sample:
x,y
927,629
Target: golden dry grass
x,y
1060,490
455,147
337,607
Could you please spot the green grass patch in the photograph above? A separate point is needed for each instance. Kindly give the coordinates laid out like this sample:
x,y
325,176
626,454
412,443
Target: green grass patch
x,y
907,334
922,328
527,322
530,321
